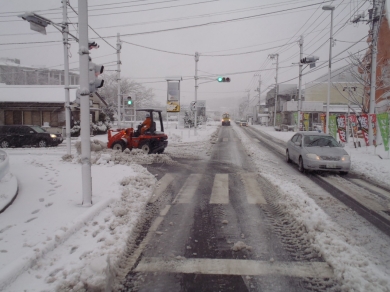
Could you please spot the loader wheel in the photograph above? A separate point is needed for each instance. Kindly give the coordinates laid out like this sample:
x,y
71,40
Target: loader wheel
x,y
118,146
145,147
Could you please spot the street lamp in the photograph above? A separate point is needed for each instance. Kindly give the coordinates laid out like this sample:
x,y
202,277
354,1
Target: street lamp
x,y
331,8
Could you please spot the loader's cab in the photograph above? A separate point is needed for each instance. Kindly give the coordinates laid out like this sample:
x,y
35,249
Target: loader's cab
x,y
155,116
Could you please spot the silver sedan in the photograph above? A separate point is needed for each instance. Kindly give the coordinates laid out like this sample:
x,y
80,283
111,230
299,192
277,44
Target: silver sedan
x,y
317,151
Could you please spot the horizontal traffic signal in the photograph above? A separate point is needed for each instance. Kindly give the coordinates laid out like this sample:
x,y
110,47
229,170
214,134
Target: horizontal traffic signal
x,y
223,79
309,59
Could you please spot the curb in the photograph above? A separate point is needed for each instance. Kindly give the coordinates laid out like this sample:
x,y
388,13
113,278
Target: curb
x,y
11,190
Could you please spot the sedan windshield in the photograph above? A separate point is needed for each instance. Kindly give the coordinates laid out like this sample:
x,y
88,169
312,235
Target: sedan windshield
x,y
320,141
38,129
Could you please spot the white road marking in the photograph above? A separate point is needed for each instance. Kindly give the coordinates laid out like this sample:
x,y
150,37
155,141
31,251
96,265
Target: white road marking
x,y
360,195
164,182
220,192
130,262
164,211
253,191
375,189
256,140
225,139
235,267
188,189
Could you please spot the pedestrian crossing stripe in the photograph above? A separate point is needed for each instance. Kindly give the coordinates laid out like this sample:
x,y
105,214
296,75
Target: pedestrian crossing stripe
x,y
235,267
220,190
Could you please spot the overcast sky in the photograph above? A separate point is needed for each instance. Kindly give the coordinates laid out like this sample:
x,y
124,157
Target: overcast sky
x,y
246,30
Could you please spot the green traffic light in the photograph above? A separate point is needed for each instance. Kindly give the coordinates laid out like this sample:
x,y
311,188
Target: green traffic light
x,y
220,79
129,102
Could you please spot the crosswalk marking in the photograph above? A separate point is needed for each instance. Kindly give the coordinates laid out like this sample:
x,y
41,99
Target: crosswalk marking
x,y
188,190
235,267
220,192
252,189
375,189
164,182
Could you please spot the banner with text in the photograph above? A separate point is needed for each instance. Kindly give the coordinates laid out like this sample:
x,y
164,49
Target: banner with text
x,y
333,126
341,128
363,121
383,123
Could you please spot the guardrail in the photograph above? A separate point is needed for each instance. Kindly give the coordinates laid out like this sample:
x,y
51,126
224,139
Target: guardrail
x,y
4,164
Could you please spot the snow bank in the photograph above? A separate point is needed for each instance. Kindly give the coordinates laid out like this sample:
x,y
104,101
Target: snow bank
x,y
351,264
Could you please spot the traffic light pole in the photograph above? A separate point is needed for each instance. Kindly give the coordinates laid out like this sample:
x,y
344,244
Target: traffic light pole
x,y
300,82
118,79
86,178
196,91
65,30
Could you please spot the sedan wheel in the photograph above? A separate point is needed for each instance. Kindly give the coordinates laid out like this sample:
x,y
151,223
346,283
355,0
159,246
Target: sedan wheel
x,y
300,165
4,144
42,143
288,157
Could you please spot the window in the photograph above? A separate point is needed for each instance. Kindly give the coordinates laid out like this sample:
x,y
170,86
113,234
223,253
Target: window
x,y
294,138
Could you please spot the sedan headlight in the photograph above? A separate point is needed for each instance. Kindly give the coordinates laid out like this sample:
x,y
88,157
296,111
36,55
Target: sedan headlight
x,y
313,156
53,136
345,158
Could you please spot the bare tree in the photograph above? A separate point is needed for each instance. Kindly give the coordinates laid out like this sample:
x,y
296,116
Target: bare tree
x,y
363,77
141,96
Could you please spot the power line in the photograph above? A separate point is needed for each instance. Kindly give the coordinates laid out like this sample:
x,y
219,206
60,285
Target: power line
x,y
93,29
216,22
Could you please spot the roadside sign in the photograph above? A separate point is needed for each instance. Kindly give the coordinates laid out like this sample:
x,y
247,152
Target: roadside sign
x,y
193,106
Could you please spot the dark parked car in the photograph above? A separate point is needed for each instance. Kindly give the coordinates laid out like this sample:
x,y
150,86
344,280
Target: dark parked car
x,y
23,135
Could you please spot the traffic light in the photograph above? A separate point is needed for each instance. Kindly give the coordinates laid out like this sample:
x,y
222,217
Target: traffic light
x,y
94,82
129,101
309,59
223,79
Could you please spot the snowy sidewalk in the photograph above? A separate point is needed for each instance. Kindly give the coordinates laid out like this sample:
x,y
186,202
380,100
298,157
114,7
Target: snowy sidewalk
x,y
49,240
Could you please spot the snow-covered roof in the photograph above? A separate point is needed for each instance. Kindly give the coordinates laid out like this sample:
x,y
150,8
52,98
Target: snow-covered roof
x,y
34,93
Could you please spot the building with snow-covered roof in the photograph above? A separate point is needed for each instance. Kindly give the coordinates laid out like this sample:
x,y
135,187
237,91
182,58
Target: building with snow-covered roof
x,y
41,105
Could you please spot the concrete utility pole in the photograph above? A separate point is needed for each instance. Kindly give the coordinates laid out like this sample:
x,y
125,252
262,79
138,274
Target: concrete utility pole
x,y
118,78
196,91
276,56
259,88
377,8
84,104
65,30
300,82
331,8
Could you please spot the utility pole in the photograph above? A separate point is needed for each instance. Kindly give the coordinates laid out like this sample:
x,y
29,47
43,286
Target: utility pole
x,y
300,82
65,30
86,178
118,78
259,87
276,56
196,91
376,10
331,9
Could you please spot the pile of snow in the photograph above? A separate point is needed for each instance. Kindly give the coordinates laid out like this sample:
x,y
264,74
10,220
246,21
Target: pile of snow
x,y
351,264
